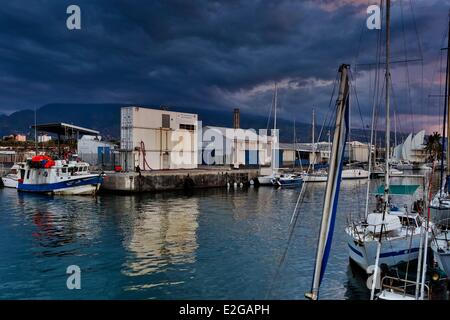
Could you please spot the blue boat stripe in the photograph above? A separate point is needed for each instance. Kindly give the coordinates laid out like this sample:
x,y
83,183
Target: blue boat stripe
x,y
398,253
355,251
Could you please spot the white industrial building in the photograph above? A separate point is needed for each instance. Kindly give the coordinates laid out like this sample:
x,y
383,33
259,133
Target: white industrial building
x,y
155,139
42,138
235,146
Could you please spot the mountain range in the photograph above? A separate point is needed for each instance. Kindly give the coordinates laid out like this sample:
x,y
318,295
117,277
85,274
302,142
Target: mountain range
x,y
106,119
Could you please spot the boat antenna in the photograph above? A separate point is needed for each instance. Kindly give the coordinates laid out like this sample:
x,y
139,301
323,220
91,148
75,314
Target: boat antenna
x,y
35,131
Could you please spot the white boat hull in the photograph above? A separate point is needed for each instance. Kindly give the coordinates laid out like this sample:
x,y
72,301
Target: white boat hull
x,y
9,182
354,174
314,178
392,251
267,180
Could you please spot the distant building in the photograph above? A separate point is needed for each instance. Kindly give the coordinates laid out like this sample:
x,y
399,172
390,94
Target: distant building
x,y
15,137
44,138
95,151
158,139
235,146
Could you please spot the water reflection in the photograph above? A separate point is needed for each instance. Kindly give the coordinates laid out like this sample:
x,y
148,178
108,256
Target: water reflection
x,y
160,234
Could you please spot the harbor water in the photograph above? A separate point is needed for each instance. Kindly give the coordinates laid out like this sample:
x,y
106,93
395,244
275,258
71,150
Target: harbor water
x,y
212,244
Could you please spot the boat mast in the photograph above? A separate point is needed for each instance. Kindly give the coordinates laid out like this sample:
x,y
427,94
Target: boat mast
x,y
446,109
313,137
35,132
388,120
333,184
447,97
274,153
388,136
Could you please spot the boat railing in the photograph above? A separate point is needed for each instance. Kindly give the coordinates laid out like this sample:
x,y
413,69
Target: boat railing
x,y
402,286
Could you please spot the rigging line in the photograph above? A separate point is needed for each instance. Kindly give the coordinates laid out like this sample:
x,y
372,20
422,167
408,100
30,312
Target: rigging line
x,y
330,110
294,217
408,84
374,114
359,106
363,27
292,226
272,106
396,113
419,45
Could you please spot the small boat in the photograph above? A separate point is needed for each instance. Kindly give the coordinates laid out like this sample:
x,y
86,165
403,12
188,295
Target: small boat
x,y
41,174
12,178
319,176
348,174
425,167
403,165
287,180
267,180
392,172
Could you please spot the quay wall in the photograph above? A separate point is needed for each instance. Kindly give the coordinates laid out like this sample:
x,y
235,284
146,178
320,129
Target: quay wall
x,y
170,180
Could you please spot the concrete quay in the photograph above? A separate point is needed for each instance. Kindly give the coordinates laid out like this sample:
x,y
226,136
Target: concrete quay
x,y
171,180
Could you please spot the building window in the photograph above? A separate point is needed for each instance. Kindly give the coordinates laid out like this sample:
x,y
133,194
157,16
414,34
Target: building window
x,y
189,127
166,121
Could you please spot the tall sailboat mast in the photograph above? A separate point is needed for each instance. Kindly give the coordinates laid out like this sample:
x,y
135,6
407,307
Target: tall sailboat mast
x,y
388,120
447,97
388,137
333,184
274,152
446,112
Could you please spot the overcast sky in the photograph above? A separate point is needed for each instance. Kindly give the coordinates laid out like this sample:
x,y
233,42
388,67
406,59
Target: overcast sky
x,y
218,55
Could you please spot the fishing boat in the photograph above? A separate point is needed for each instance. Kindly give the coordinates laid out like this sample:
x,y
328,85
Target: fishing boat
x,y
42,174
11,179
267,180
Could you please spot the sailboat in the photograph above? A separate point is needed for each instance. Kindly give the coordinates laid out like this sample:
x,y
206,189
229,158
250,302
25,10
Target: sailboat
x,y
333,184
440,204
267,180
397,226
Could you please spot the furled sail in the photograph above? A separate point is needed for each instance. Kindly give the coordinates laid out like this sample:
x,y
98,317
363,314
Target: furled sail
x,y
333,183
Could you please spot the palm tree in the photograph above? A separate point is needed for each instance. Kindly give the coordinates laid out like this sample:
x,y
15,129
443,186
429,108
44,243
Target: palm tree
x,y
434,146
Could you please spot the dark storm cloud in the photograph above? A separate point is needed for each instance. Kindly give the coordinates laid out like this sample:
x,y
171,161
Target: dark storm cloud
x,y
209,54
